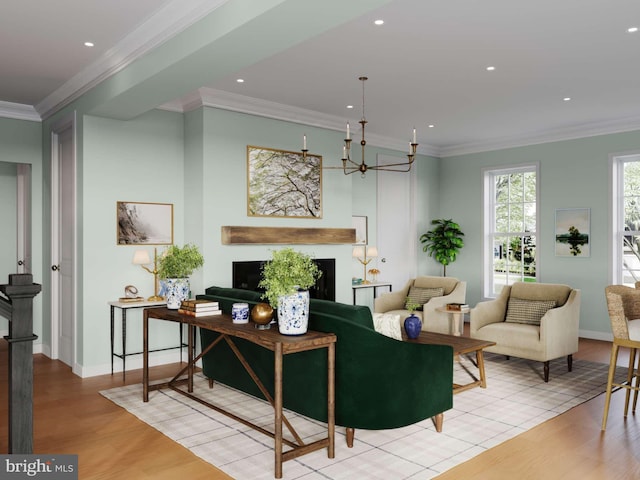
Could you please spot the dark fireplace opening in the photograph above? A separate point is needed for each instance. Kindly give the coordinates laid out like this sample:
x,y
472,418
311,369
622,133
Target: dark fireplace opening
x,y
246,275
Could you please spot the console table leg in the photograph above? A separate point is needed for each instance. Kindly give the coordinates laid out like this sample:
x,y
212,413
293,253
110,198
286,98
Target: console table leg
x,y
145,356
124,343
112,327
278,408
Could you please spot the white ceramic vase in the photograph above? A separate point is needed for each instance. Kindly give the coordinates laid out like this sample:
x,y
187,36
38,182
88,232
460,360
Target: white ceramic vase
x,y
175,290
293,313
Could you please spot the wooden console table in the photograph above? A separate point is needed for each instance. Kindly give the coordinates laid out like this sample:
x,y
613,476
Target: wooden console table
x,y
270,339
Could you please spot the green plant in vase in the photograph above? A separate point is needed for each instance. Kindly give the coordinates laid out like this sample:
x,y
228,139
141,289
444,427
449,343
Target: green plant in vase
x,y
286,279
175,265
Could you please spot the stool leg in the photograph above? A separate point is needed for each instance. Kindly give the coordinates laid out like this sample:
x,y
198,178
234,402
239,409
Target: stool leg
x,y
612,369
637,386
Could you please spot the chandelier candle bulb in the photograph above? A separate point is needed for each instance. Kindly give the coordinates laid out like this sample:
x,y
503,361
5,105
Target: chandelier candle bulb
x,y
348,133
414,136
304,142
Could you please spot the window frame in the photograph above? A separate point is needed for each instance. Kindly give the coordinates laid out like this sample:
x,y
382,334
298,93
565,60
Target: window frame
x,y
488,221
616,209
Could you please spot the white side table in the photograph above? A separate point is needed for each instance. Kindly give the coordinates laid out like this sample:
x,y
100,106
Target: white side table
x,y
456,319
124,306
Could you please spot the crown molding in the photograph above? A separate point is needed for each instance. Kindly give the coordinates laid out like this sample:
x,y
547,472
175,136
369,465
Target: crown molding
x,y
574,132
19,111
168,21
210,97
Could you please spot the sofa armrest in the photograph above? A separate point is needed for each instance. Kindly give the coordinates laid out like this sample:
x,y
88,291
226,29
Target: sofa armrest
x,y
491,311
457,295
392,300
559,327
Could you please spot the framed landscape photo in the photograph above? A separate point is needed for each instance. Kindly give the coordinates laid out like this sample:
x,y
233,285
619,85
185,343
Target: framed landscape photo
x,y
573,232
140,223
283,184
362,233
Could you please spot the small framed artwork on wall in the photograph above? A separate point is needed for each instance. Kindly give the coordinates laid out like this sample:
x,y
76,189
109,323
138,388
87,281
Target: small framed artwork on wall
x,y
140,223
360,224
573,229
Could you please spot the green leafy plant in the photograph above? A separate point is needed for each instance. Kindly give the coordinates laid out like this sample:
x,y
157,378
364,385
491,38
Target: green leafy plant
x,y
410,305
177,262
443,242
287,271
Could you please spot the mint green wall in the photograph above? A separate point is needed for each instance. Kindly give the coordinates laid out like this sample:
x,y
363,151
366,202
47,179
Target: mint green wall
x,y
20,142
226,136
139,160
573,173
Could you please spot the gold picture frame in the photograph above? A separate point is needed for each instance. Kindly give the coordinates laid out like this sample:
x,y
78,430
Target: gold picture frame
x,y
144,223
281,183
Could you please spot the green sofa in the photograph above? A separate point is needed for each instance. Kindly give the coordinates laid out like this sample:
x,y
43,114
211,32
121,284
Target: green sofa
x,y
381,383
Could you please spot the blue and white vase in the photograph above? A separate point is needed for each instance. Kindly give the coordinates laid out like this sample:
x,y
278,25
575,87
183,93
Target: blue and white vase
x,y
293,313
175,290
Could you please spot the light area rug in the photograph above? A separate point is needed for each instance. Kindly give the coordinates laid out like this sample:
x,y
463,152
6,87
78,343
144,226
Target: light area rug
x,y
515,400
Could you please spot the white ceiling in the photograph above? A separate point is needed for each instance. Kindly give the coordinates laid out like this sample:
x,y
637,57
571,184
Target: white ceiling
x,y
426,65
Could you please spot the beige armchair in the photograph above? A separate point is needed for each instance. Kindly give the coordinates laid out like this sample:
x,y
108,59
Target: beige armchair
x,y
510,321
453,291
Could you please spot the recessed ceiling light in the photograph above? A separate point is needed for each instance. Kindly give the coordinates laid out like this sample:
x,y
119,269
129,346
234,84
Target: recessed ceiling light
x,y
431,126
490,69
88,44
567,99
349,106
379,22
240,80
632,29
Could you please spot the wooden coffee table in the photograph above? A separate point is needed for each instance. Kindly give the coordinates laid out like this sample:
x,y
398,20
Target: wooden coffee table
x,y
461,346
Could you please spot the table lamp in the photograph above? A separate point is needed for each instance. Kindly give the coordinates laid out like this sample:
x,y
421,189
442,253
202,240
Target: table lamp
x,y
141,257
365,254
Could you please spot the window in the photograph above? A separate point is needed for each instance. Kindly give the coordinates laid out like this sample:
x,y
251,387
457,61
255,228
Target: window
x,y
510,227
626,219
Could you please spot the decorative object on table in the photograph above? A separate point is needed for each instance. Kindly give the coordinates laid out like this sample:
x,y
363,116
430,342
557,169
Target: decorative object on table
x,y
412,324
199,308
131,295
365,254
356,281
573,227
141,257
374,272
456,307
283,183
360,225
443,242
349,166
240,313
261,315
141,223
175,265
286,279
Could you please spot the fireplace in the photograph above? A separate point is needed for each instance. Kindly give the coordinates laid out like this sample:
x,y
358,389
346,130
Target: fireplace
x,y
246,275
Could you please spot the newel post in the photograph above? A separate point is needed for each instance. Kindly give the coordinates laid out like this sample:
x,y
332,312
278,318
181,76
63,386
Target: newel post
x,y
17,307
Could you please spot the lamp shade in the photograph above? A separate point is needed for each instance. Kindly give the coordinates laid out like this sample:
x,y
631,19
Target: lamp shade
x,y
358,252
372,252
141,257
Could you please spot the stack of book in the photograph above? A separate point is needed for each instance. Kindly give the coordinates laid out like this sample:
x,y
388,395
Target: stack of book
x,y
199,308
457,307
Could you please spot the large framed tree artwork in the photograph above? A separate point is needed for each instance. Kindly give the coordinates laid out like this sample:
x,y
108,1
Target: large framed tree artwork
x,y
283,183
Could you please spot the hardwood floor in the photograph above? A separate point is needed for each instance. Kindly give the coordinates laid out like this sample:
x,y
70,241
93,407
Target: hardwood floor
x,y
70,416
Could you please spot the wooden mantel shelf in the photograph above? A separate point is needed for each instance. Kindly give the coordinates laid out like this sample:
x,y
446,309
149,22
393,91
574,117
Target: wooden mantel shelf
x,y
286,235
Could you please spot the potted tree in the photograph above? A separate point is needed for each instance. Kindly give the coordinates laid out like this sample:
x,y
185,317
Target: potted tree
x,y
286,279
443,242
175,266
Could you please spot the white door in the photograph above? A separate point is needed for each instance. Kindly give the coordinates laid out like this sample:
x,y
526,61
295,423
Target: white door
x,y
396,226
63,244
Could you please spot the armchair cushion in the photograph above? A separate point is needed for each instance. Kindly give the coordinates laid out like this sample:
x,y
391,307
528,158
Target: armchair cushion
x,y
421,295
520,310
